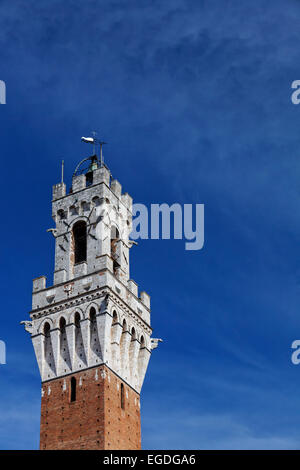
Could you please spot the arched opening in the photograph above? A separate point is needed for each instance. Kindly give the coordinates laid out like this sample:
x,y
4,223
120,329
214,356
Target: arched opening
x,y
94,338
80,352
47,346
113,330
93,315
115,318
114,238
73,389
80,244
133,334
62,325
61,214
93,327
96,201
47,330
77,320
122,397
141,356
64,363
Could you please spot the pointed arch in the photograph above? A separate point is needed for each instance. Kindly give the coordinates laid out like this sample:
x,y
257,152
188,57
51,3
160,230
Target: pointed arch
x,y
95,347
41,327
79,232
64,362
114,238
77,319
80,353
46,329
48,352
114,341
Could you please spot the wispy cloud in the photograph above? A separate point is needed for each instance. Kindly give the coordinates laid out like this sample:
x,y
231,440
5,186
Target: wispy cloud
x,y
194,99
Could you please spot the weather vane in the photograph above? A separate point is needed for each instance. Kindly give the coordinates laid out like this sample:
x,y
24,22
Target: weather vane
x,y
95,141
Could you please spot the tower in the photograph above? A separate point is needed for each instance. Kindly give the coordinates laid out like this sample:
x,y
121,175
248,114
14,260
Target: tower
x,y
91,329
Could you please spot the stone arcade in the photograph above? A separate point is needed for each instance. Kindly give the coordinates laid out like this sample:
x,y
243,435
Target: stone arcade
x,y
91,329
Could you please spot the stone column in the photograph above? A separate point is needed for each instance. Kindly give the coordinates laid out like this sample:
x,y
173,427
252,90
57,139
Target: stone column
x,y
85,332
70,333
38,345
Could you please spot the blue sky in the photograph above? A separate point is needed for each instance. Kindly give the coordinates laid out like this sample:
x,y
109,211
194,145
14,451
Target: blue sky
x,y
194,100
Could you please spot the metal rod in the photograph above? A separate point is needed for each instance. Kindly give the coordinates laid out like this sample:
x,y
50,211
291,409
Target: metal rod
x,y
62,170
101,155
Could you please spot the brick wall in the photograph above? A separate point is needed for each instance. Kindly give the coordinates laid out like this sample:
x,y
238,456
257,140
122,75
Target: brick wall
x,y
95,420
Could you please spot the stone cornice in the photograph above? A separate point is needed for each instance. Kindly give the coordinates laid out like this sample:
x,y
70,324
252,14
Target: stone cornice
x,y
84,298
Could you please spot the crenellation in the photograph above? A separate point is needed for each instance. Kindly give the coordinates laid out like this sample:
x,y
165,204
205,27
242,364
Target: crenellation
x,y
102,175
60,276
127,201
116,188
133,287
58,191
145,299
39,283
78,183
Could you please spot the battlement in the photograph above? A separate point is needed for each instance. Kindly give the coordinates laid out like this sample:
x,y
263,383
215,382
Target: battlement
x,y
96,177
47,298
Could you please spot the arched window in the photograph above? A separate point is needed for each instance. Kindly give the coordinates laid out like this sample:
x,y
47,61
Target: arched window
x,y
73,389
141,356
47,330
114,340
61,214
93,326
122,397
47,345
79,236
77,320
62,336
93,315
113,330
62,325
115,318
133,335
114,237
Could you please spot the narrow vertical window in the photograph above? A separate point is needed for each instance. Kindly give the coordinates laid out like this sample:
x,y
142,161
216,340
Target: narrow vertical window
x,y
122,397
62,325
47,343
93,315
73,389
79,235
77,320
114,238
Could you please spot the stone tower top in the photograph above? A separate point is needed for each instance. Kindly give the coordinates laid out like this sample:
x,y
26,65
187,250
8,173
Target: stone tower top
x,y
93,220
93,313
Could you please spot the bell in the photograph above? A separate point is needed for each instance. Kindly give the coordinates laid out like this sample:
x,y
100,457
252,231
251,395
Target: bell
x,y
94,164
